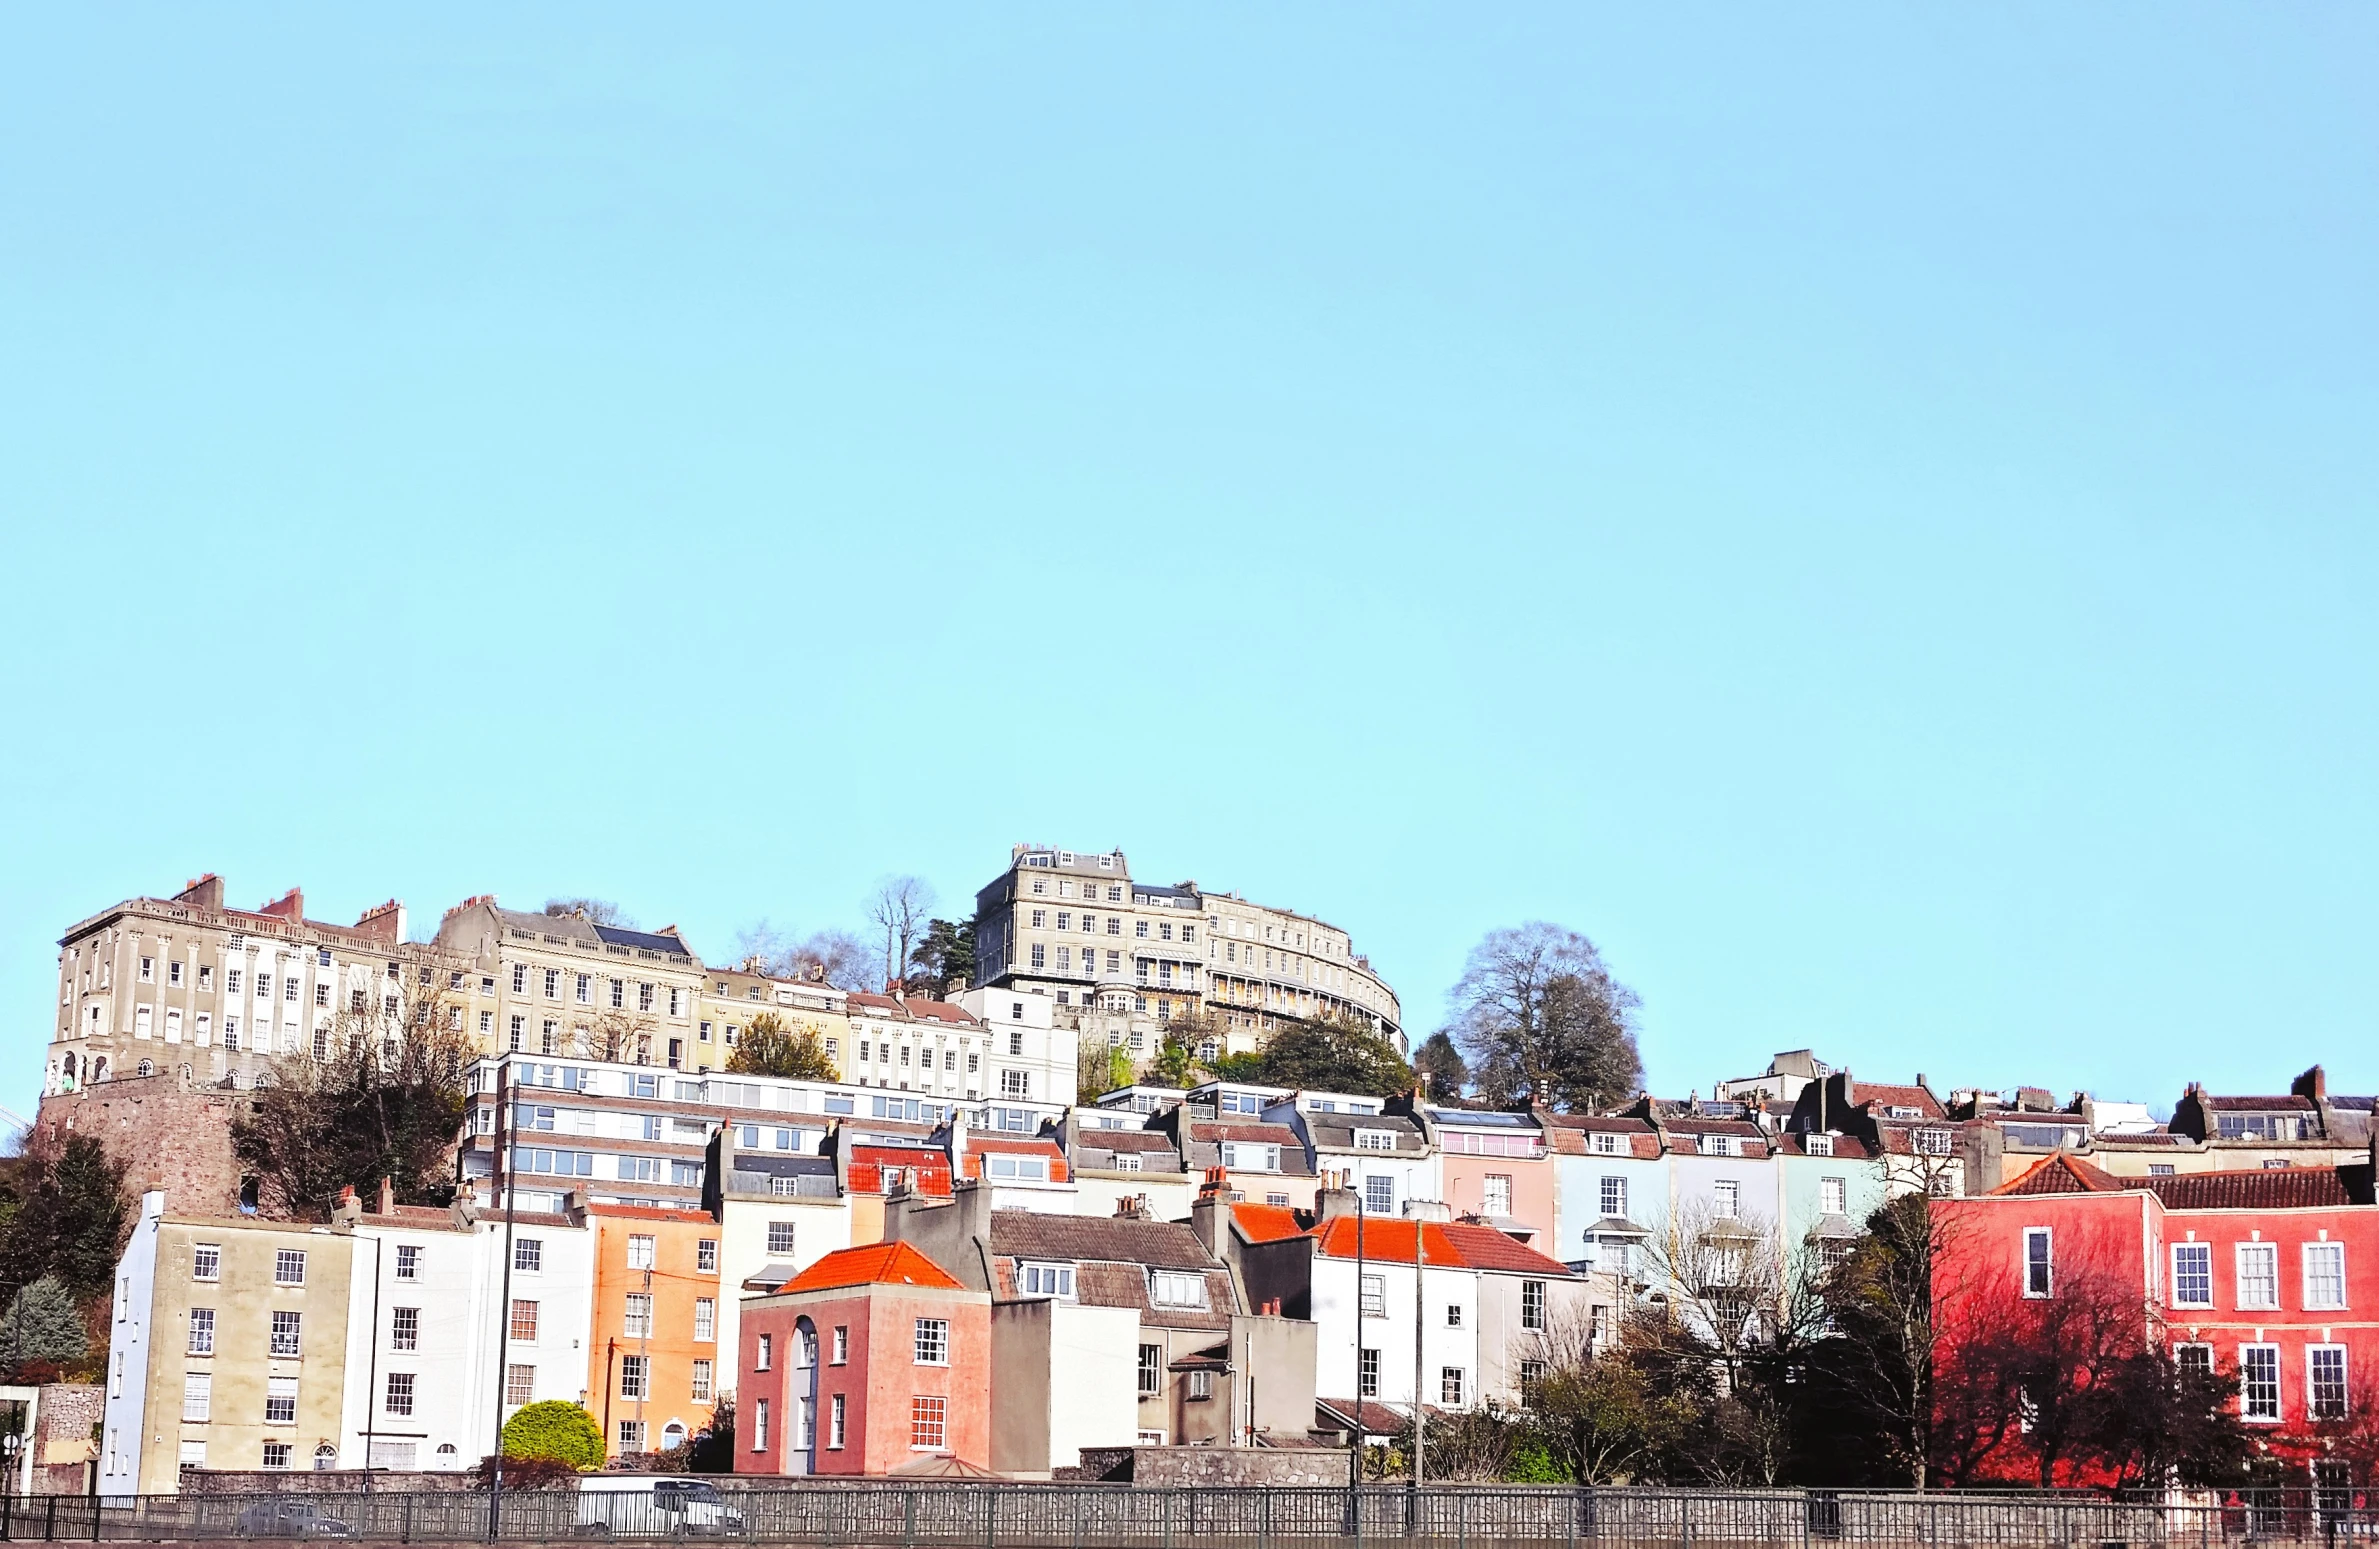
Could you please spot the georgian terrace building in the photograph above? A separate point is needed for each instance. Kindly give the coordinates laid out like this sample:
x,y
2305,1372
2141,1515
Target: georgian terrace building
x,y
151,984
1123,957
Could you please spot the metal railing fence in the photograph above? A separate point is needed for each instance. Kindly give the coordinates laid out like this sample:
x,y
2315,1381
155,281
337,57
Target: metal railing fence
x,y
950,1515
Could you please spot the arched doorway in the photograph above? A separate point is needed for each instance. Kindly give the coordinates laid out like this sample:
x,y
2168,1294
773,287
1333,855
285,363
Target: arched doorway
x,y
801,1439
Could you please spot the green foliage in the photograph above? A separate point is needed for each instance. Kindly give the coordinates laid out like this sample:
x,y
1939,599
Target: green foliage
x,y
945,959
1099,1068
1175,1061
528,1474
42,1324
1532,1462
1442,1063
554,1428
1247,1067
71,1215
770,1048
712,1449
1334,1055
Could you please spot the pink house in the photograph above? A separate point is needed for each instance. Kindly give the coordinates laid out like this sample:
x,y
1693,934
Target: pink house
x,y
869,1359
1496,1169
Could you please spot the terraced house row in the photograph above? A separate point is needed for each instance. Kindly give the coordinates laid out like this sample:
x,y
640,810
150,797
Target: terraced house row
x,y
940,1258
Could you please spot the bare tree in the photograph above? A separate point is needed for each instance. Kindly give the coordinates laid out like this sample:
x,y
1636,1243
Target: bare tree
x,y
1879,1303
379,1093
1538,1016
825,956
900,908
1744,1303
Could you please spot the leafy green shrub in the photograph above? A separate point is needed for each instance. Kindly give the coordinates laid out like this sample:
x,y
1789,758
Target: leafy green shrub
x,y
555,1429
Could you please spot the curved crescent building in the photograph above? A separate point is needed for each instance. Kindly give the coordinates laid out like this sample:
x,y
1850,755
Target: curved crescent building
x,y
1073,924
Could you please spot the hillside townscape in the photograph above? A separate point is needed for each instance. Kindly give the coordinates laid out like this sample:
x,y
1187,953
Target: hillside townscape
x,y
1111,1180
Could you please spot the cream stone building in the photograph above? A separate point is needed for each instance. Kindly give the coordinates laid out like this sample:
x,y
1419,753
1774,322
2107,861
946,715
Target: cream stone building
x,y
228,1348
565,985
732,997
1125,957
151,984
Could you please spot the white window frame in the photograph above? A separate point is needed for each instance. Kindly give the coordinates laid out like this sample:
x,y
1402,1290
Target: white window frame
x,y
2345,1405
2048,1263
2307,1253
2249,1415
2240,1253
2193,1248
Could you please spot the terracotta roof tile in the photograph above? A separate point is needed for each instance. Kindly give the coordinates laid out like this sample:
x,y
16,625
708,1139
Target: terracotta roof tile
x,y
2064,1173
1453,1244
1267,1223
883,1263
2263,1188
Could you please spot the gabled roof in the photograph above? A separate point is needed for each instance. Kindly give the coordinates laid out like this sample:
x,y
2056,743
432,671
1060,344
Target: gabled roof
x,y
1267,1223
883,1263
2063,1173
1220,1129
1123,1139
1025,1234
1846,1148
1875,1096
914,1009
1449,1244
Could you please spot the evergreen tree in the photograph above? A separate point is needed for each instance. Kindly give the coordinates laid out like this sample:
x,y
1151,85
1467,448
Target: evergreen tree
x,y
71,1216
42,1324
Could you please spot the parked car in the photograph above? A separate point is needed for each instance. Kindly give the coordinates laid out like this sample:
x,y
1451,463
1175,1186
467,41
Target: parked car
x,y
654,1506
290,1519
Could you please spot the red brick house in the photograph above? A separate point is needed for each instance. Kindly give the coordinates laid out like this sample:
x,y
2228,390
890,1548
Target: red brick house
x,y
2269,1277
869,1359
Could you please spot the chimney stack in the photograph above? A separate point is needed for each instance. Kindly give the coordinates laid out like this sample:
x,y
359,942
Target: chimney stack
x,y
387,1197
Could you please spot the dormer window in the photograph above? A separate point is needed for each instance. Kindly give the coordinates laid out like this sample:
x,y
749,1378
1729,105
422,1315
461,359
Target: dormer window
x,y
1176,1288
1606,1144
1718,1145
1903,1111
1046,1280
2261,1126
1375,1140
1819,1145
1934,1142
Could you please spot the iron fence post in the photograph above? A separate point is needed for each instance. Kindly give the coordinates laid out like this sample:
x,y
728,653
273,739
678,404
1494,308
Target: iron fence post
x,y
908,1516
49,1528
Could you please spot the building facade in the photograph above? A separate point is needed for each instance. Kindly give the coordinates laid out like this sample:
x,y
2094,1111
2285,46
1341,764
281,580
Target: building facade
x,y
228,1348
1076,927
159,985
870,1359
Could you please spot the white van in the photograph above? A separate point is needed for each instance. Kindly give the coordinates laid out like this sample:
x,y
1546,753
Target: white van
x,y
654,1506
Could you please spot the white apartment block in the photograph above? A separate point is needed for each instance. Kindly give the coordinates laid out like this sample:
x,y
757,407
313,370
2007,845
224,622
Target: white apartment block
x,y
436,1337
1075,927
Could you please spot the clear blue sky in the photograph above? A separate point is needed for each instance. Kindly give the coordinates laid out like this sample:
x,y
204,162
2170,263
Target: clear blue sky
x,y
1869,513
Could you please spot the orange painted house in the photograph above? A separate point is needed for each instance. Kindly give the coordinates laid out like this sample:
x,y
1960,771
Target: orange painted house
x,y
653,1362
869,1359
